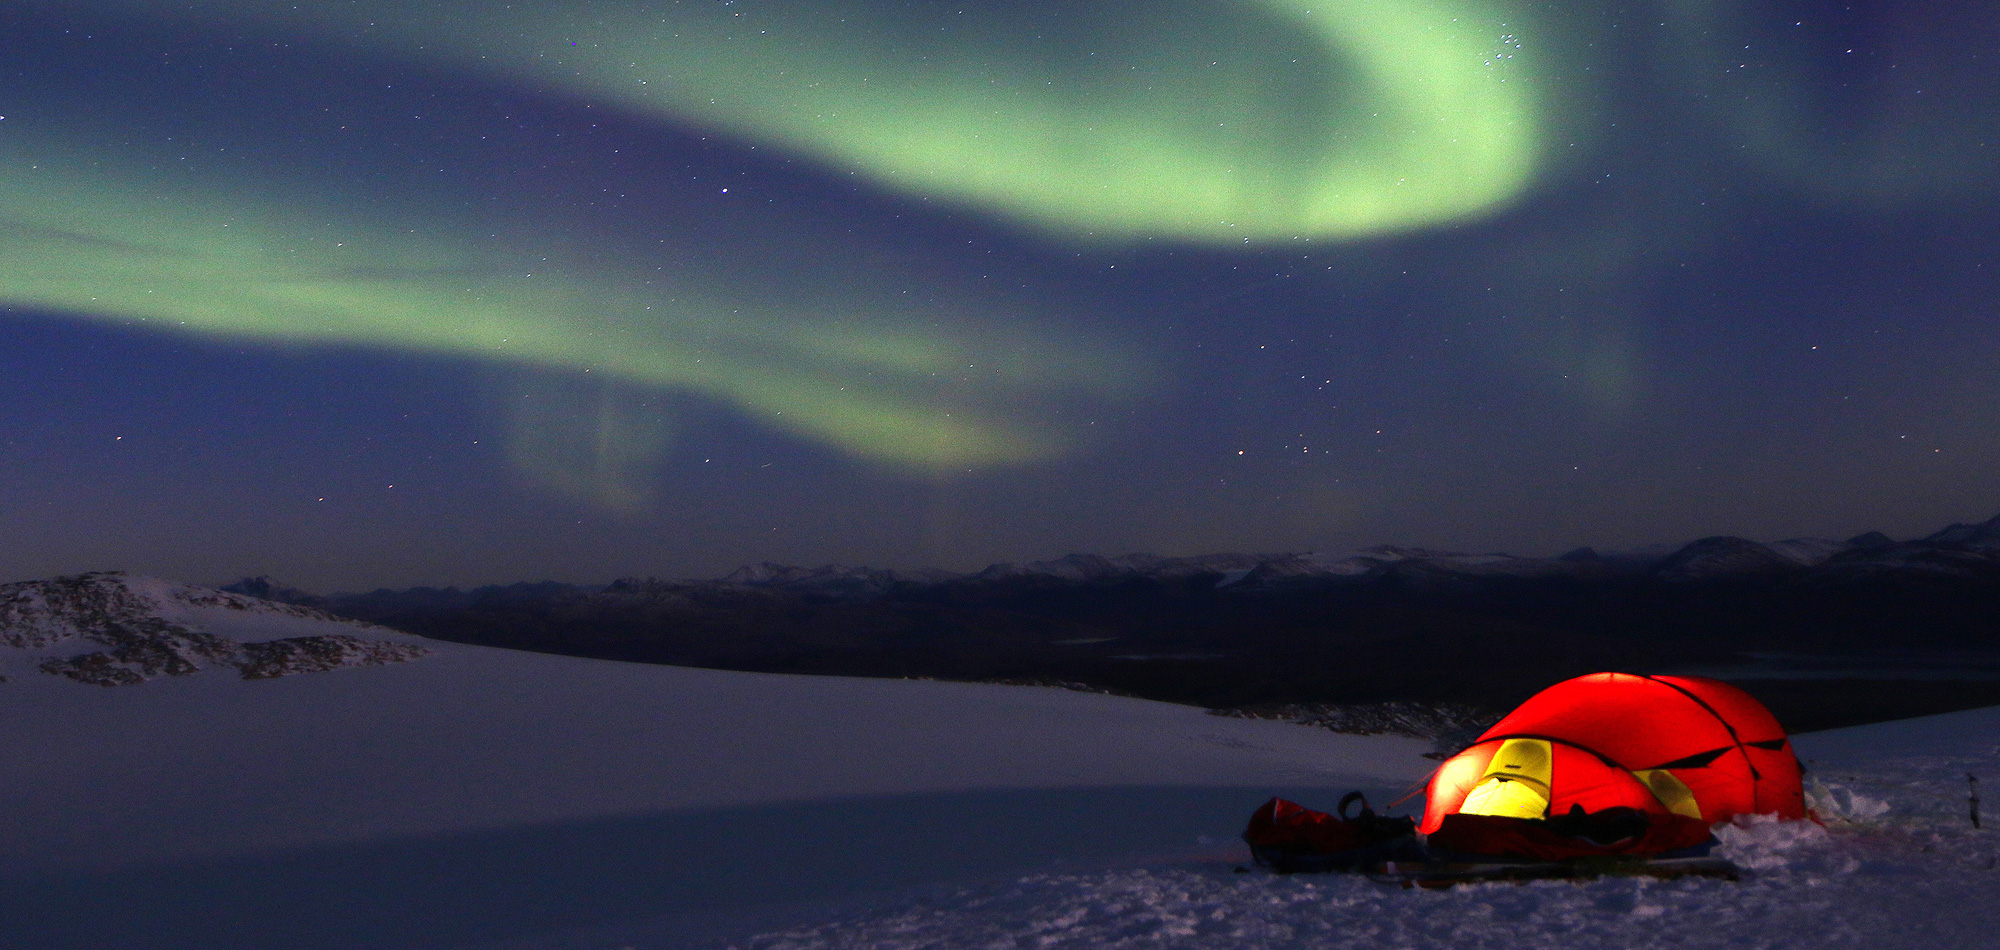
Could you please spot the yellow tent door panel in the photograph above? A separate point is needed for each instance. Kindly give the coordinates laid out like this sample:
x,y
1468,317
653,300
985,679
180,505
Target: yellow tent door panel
x,y
1516,784
1671,791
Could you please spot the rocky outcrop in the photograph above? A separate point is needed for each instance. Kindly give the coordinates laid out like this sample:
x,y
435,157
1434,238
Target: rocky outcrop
x,y
144,651
147,629
274,658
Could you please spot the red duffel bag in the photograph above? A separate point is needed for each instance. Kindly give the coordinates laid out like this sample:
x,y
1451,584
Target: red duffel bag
x,y
1287,837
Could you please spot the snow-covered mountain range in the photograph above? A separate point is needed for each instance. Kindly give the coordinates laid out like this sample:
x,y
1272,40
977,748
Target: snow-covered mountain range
x,y
1250,630
1968,551
1960,552
146,628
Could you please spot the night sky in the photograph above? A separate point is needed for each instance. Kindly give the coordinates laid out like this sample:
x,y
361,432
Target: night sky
x,y
395,292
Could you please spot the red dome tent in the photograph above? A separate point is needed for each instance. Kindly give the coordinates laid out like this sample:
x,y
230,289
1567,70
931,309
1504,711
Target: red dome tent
x,y
1679,752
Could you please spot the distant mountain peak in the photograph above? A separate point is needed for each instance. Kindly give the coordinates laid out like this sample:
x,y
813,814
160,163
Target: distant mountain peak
x,y
1721,556
262,587
1984,535
1871,540
834,579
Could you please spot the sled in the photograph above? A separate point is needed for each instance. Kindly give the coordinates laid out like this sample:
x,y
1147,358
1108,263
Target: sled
x,y
1291,839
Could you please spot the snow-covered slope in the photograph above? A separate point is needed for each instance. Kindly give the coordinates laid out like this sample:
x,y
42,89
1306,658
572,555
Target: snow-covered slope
x,y
483,794
495,799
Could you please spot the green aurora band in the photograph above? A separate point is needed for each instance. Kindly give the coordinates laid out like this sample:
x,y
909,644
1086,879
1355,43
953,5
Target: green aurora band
x,y
866,371
1276,119
1202,120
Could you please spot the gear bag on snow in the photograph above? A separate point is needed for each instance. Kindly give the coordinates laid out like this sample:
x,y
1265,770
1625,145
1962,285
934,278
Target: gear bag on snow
x,y
1288,837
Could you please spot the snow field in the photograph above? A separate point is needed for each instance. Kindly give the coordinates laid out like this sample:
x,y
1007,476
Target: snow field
x,y
492,798
1897,865
1806,890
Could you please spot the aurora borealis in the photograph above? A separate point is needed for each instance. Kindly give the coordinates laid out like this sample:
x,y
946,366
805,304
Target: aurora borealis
x,y
1207,120
425,292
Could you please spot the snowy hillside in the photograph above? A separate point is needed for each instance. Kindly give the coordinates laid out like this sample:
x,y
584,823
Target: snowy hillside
x,y
493,799
150,628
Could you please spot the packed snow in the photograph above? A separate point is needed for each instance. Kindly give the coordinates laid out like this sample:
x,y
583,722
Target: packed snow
x,y
490,799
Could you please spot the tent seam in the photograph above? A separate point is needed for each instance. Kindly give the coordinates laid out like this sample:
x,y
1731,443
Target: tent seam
x,y
1756,777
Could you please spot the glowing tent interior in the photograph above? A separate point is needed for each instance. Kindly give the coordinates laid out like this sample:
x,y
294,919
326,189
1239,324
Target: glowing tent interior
x,y
1670,754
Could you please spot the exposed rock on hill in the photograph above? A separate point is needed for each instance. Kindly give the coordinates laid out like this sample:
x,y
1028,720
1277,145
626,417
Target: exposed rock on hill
x,y
274,658
151,628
